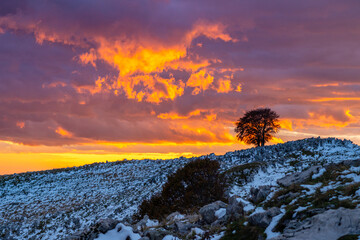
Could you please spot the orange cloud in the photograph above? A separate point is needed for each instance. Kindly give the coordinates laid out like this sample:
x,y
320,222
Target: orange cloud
x,y
286,124
326,121
54,85
173,116
88,57
224,86
200,81
326,85
210,117
139,63
156,88
62,132
176,116
20,124
329,99
238,88
100,84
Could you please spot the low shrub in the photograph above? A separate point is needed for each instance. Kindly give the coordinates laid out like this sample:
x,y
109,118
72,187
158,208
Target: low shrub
x,y
242,173
238,231
196,184
284,220
349,237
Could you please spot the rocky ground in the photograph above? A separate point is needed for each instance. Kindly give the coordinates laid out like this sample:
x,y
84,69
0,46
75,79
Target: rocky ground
x,y
307,189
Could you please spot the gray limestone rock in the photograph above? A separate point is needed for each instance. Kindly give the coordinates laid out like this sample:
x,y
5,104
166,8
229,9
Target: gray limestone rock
x,y
208,211
234,210
183,227
141,225
259,194
329,225
156,234
298,177
105,225
263,219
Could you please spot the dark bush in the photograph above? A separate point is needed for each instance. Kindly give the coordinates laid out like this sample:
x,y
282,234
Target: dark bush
x,y
196,184
238,231
349,237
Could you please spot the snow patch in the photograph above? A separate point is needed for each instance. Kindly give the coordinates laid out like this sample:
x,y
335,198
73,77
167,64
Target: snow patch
x,y
319,174
311,188
357,193
197,231
274,221
179,217
121,232
170,237
248,206
152,223
220,213
258,210
354,176
217,236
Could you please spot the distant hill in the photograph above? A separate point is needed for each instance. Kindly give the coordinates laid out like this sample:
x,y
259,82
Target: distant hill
x,y
55,204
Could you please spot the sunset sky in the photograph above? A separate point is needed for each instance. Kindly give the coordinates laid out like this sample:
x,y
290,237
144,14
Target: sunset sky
x,y
88,80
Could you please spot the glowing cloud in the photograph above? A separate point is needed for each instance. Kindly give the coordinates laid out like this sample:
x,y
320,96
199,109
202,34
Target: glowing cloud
x,y
140,62
64,133
225,86
201,81
20,124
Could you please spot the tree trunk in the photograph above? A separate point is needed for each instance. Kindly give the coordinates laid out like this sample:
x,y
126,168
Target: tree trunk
x,y
263,134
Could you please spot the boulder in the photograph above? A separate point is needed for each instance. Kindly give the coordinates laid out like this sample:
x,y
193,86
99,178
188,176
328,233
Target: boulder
x,y
188,218
299,177
193,218
234,210
105,225
156,234
183,227
258,195
329,225
290,195
174,216
207,212
102,226
263,219
145,223
75,236
351,163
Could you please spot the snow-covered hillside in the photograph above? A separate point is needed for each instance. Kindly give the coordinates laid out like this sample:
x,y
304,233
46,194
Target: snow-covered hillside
x,y
54,204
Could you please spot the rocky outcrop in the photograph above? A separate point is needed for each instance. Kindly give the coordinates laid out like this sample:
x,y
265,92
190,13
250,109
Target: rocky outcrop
x,y
155,234
259,194
299,177
234,210
103,226
329,225
264,219
207,212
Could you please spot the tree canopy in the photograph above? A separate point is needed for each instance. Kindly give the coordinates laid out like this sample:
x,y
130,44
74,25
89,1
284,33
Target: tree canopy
x,y
257,126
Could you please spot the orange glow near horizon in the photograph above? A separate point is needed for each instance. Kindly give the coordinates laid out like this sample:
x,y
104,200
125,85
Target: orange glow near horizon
x,y
21,158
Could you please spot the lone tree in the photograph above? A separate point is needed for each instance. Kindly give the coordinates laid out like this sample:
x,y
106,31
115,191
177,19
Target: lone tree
x,y
257,126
